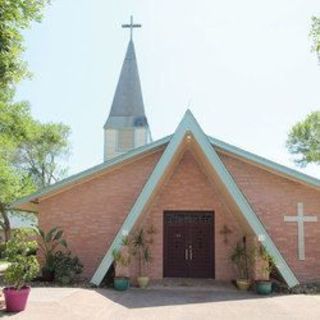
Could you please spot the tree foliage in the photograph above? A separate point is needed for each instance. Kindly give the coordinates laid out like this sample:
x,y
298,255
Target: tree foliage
x,y
304,140
30,151
315,35
15,16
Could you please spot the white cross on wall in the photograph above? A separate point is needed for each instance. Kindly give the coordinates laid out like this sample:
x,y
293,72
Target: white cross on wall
x,y
300,219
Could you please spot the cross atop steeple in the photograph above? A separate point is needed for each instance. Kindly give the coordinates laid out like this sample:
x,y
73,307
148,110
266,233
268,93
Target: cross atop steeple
x,y
127,126
131,26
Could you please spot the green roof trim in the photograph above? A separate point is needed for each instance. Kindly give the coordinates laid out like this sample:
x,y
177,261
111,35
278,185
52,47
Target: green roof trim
x,y
94,170
290,173
186,126
223,146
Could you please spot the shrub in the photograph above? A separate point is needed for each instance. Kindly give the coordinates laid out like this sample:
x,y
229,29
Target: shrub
x,y
20,244
23,266
66,267
2,249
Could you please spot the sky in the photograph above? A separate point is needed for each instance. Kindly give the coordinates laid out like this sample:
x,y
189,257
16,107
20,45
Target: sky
x,y
244,68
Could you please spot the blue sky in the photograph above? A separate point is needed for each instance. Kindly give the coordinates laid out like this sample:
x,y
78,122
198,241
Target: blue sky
x,y
244,68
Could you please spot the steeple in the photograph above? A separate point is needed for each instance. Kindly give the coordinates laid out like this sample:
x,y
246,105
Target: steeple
x,y
127,126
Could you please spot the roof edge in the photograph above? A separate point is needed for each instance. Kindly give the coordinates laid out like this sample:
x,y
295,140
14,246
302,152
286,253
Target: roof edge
x,y
269,164
225,147
95,169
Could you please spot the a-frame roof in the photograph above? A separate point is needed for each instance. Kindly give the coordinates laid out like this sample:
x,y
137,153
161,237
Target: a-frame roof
x,y
29,203
188,128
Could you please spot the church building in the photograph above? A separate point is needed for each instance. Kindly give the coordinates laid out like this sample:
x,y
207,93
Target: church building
x,y
201,195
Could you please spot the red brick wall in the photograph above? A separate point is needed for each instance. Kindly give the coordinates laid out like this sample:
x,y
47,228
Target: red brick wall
x,y
189,189
272,197
91,213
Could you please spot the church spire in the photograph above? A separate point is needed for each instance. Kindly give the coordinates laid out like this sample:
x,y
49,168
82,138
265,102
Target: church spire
x,y
127,126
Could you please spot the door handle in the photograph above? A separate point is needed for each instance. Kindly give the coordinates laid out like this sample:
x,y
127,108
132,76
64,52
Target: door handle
x,y
190,249
186,254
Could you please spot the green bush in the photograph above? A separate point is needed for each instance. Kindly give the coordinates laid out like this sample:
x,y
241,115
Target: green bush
x,y
19,245
66,267
23,266
2,249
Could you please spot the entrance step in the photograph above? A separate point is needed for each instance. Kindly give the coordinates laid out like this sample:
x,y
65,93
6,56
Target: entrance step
x,y
191,283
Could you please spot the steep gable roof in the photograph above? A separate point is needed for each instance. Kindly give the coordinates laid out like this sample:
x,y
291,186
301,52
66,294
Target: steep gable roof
x,y
265,163
27,203
189,128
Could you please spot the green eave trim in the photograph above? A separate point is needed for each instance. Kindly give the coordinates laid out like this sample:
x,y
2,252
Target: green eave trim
x,y
94,170
223,146
190,125
290,173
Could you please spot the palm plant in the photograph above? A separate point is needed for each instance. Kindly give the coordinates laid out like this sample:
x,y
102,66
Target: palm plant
x,y
241,258
48,244
141,248
122,258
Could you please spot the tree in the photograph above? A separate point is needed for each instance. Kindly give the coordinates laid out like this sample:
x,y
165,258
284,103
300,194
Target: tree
x,y
13,181
30,151
315,35
15,16
40,152
30,154
304,140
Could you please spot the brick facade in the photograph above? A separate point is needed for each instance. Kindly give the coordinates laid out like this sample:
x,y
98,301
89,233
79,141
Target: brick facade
x,y
92,212
189,189
272,197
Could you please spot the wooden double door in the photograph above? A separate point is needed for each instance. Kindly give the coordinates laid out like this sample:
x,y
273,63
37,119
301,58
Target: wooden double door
x,y
189,244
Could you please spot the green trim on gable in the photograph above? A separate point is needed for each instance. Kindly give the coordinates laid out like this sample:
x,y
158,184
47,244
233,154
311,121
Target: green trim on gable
x,y
141,201
290,173
190,125
223,146
94,170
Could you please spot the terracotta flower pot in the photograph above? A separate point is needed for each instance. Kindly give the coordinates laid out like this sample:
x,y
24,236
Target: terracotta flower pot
x,y
243,284
143,282
16,300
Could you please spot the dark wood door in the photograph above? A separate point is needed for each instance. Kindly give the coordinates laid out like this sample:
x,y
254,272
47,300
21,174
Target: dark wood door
x,y
188,244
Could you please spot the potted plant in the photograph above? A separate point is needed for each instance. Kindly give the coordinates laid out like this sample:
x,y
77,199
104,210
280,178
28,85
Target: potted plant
x,y
48,243
22,269
122,259
266,261
141,249
241,259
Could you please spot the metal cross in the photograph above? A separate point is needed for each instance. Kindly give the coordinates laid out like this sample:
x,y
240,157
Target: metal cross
x,y
300,219
131,26
225,231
